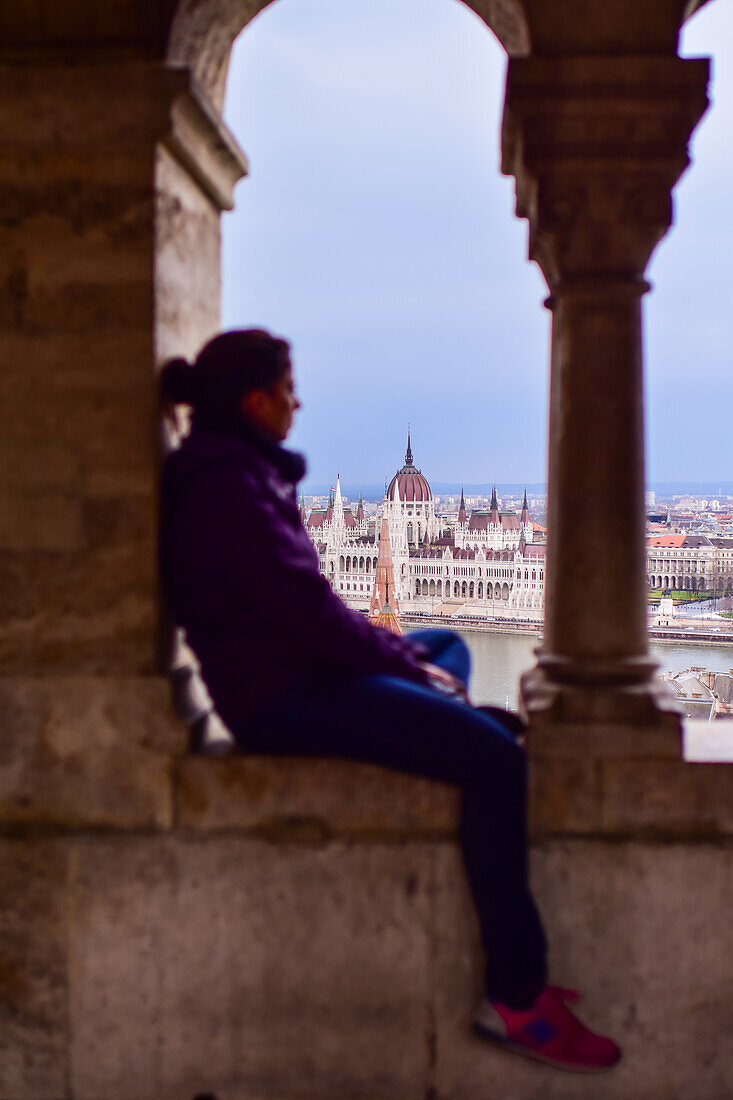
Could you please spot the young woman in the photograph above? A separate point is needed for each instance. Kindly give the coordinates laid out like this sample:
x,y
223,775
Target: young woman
x,y
292,671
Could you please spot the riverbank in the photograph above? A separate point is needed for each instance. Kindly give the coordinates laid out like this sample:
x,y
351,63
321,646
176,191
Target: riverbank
x,y
716,636
468,623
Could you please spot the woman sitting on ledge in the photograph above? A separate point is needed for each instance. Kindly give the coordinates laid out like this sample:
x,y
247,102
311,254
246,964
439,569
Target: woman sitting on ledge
x,y
293,671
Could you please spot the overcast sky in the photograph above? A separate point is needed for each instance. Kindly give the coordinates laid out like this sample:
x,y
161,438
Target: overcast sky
x,y
376,232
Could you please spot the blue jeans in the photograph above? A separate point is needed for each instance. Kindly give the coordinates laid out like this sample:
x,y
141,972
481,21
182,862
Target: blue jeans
x,y
414,729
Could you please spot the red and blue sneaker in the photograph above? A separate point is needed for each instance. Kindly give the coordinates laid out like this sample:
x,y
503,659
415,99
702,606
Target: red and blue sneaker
x,y
547,1031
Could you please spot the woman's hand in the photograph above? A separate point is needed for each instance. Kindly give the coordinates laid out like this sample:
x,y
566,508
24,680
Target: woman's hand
x,y
445,682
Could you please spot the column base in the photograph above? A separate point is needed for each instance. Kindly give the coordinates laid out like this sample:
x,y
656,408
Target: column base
x,y
600,720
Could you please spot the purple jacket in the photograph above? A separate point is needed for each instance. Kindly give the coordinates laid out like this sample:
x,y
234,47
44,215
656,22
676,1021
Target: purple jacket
x,y
241,576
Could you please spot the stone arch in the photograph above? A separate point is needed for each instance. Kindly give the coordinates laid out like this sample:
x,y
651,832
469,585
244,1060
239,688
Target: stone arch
x,y
456,589
505,591
464,590
439,588
425,588
201,34
470,591
480,590
342,564
417,588
361,564
431,588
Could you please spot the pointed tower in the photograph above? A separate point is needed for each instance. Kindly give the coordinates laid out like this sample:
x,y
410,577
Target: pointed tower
x,y
360,509
525,523
494,508
408,452
383,609
462,510
338,522
301,508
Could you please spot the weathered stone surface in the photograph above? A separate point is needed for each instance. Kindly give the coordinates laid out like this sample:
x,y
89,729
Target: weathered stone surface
x,y
644,932
665,798
41,521
87,752
187,262
72,613
251,970
33,993
564,794
329,796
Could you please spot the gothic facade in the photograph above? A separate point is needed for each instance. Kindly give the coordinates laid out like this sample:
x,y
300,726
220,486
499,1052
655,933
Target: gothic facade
x,y
487,562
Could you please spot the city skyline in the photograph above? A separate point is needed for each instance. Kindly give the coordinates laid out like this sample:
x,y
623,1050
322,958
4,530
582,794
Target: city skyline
x,y
376,232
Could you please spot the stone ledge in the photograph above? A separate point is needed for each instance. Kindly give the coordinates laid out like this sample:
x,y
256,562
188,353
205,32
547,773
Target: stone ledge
x,y
288,796
630,798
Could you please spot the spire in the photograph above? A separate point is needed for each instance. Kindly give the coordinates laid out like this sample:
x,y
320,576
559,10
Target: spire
x,y
338,504
408,453
360,509
462,509
524,518
381,612
494,501
301,507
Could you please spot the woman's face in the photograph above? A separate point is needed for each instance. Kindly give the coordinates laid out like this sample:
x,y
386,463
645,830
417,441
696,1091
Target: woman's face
x,y
273,410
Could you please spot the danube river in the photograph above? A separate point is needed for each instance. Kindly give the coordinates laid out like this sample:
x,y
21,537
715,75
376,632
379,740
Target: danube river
x,y
498,660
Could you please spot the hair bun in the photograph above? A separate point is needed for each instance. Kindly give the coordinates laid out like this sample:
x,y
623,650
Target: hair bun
x,y
177,382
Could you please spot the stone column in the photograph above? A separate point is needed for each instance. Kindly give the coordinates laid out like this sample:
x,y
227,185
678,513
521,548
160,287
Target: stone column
x,y
112,179
113,175
596,146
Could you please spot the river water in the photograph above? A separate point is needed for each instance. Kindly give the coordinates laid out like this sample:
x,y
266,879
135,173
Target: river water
x,y
498,660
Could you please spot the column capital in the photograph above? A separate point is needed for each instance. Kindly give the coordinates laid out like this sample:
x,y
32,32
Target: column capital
x,y
596,145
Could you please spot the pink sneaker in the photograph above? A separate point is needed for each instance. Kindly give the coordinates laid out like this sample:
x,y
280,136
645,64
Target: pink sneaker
x,y
548,1031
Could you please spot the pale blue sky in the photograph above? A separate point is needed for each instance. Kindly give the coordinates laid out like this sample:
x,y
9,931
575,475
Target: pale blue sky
x,y
376,232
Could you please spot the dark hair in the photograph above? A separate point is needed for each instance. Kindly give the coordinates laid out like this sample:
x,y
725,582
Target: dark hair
x,y
226,369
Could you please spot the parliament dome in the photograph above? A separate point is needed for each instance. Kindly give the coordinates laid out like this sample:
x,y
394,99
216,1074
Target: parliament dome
x,y
413,487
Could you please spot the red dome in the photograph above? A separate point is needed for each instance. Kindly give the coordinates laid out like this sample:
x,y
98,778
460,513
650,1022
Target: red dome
x,y
413,486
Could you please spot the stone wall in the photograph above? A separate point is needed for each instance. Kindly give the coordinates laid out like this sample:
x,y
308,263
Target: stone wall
x,y
301,930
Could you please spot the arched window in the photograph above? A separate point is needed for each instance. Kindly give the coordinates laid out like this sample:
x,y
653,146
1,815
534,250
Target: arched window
x,y
342,565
